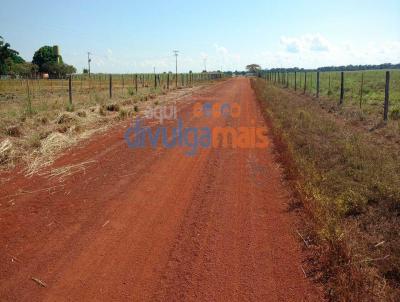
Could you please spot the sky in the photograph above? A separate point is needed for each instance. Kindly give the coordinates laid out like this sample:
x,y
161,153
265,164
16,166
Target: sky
x,y
138,36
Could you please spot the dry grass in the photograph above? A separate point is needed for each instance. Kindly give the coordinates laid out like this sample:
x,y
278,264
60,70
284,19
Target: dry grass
x,y
36,137
6,152
348,182
62,173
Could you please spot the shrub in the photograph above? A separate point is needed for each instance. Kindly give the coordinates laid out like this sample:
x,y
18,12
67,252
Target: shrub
x,y
395,114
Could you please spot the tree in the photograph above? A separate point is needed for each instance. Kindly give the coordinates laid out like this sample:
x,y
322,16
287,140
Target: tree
x,y
44,56
58,70
51,63
253,68
8,57
25,69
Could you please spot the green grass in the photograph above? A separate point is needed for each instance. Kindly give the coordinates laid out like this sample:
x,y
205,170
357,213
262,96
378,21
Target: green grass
x,y
349,182
373,90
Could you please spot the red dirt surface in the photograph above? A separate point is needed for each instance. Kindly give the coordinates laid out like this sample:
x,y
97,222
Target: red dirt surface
x,y
155,224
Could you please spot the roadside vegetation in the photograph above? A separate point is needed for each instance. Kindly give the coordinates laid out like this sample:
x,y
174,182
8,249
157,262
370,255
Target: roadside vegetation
x,y
363,89
37,121
346,177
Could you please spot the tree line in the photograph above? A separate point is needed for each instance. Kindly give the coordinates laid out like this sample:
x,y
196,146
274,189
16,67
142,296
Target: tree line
x,y
340,68
45,60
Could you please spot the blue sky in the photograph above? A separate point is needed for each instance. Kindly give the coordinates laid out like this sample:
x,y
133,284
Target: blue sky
x,y
136,36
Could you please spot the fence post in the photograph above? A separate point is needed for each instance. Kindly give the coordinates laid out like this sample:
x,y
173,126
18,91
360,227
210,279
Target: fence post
x,y
361,88
386,104
70,89
317,84
136,82
123,84
155,81
28,92
295,81
287,79
329,85
168,80
305,81
110,86
341,88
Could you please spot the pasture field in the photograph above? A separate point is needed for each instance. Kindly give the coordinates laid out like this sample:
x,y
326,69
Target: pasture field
x,y
19,97
38,115
364,89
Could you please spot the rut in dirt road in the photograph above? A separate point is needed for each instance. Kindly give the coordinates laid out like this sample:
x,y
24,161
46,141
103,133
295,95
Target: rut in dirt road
x,y
153,224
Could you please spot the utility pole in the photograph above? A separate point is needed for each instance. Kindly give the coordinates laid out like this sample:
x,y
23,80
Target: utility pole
x,y
89,60
176,67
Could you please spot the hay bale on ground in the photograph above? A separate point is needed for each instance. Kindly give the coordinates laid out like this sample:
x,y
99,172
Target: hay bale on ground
x,y
65,117
112,107
14,131
54,142
6,151
81,113
49,148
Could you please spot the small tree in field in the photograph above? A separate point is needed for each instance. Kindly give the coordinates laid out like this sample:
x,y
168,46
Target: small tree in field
x,y
253,68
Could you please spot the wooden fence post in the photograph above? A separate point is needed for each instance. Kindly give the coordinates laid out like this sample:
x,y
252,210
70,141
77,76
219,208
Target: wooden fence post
x,y
295,81
341,88
110,86
329,85
305,81
136,82
361,88
70,89
386,104
317,84
29,101
287,79
168,80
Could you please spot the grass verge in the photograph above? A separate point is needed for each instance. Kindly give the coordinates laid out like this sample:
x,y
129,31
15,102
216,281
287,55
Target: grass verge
x,y
349,185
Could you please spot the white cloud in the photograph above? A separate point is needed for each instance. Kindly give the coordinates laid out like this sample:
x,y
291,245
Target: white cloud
x,y
221,50
203,55
291,44
224,59
315,50
307,42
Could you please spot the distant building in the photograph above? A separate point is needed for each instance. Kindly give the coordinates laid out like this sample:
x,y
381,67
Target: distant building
x,y
56,51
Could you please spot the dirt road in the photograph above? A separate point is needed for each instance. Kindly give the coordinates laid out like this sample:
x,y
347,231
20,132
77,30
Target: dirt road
x,y
154,224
